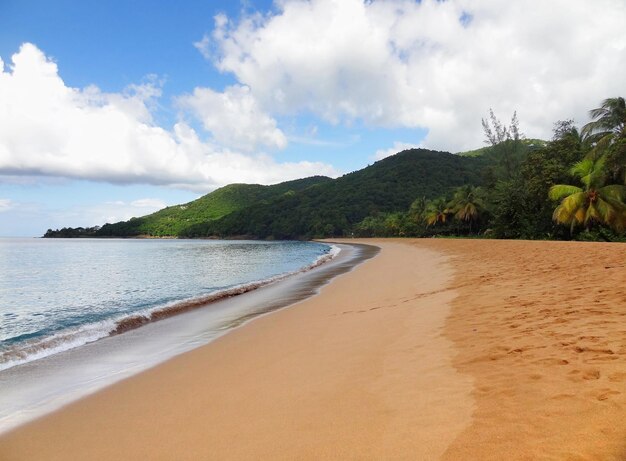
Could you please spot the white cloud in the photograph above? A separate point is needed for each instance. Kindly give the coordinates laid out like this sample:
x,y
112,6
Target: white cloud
x,y
5,204
153,203
32,219
234,118
204,46
113,211
397,147
100,213
50,129
433,64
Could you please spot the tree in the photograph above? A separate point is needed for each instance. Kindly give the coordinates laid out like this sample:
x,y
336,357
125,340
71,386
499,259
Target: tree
x,y
506,141
608,120
594,202
524,206
436,212
417,208
467,204
607,134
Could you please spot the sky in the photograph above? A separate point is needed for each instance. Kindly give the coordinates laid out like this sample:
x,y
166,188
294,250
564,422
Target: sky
x,y
116,109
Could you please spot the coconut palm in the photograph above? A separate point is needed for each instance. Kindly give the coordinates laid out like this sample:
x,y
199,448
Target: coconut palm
x,y
607,135
417,208
437,211
467,204
608,120
594,202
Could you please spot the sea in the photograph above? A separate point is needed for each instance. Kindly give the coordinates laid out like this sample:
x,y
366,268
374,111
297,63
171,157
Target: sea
x,y
79,314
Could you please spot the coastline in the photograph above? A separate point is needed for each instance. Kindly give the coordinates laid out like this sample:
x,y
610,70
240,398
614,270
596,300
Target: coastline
x,y
435,349
35,388
324,378
85,333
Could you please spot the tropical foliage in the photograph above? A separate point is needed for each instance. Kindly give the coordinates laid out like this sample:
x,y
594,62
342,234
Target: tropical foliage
x,y
467,204
595,202
437,212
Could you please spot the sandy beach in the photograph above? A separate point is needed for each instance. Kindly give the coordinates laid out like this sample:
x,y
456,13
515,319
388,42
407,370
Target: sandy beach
x,y
434,349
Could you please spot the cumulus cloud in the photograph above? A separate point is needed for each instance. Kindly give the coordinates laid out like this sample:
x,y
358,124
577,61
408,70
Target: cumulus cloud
x,y
234,118
50,129
397,147
432,64
114,211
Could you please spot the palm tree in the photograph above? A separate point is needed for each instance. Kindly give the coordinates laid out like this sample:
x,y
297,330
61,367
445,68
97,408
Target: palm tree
x,y
607,134
467,204
608,120
436,212
417,208
594,202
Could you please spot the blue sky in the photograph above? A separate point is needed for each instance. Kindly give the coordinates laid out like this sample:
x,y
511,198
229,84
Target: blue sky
x,y
114,109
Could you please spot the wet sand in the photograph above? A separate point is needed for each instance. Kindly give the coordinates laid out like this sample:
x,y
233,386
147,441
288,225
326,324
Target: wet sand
x,y
434,349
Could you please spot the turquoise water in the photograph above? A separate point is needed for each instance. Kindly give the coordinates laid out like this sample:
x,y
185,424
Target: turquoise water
x,y
60,294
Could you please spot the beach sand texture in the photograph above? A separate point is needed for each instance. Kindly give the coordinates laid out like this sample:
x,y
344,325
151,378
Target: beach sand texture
x,y
541,327
435,349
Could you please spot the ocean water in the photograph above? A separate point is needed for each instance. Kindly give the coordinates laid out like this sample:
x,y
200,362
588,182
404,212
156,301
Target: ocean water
x,y
57,295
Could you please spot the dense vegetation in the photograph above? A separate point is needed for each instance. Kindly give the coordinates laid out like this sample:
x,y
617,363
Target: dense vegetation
x,y
171,221
570,187
335,208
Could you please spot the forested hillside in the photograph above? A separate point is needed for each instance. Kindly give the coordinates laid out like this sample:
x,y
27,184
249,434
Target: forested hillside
x,y
334,208
171,221
305,208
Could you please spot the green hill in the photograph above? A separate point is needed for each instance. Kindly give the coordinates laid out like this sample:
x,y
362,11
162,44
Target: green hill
x,y
310,207
173,220
333,207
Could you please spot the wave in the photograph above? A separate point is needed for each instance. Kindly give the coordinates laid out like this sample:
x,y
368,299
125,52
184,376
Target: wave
x,y
35,349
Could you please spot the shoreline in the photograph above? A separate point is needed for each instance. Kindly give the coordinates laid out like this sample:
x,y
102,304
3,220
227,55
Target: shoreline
x,y
435,349
56,343
75,373
320,374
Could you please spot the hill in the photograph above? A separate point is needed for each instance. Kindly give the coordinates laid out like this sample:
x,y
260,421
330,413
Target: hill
x,y
310,207
173,220
334,207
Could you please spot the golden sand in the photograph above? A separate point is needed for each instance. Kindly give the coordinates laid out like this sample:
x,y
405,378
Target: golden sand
x,y
435,349
541,327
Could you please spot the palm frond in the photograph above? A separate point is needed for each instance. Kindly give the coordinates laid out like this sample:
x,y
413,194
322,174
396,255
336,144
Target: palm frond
x,y
602,142
562,215
592,214
558,191
590,171
572,208
591,129
613,191
605,211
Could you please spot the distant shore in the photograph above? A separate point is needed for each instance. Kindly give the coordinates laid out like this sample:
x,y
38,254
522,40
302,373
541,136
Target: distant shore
x,y
434,349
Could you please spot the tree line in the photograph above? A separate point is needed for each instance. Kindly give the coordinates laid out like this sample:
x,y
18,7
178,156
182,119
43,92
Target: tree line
x,y
572,187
